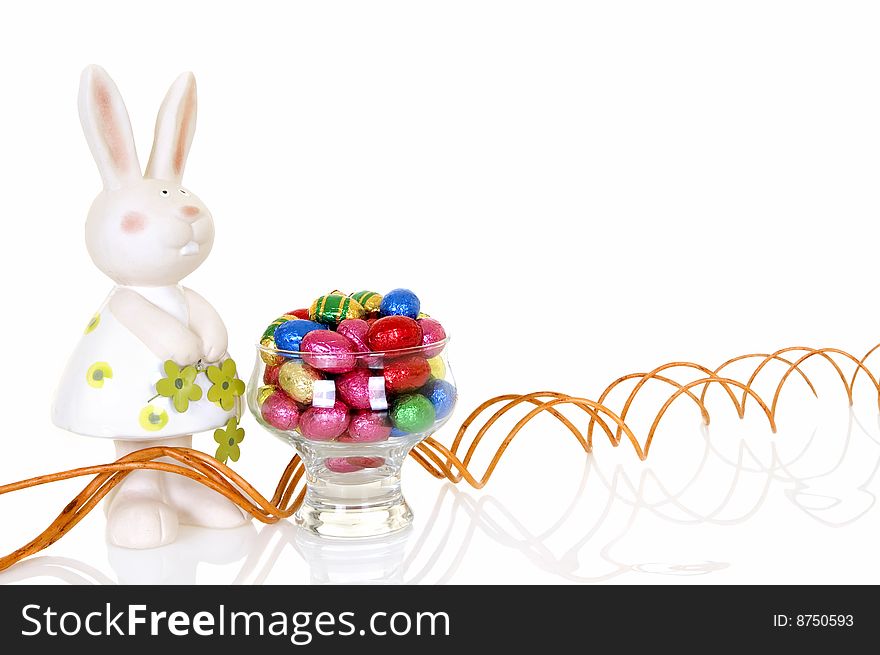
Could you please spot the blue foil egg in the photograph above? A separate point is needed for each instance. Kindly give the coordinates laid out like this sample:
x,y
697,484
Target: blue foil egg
x,y
288,336
442,395
398,433
400,302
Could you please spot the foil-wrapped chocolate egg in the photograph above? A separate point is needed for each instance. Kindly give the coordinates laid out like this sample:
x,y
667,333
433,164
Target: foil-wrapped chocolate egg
x,y
356,330
369,300
341,465
300,313
432,332
328,351
438,368
280,412
354,388
298,381
394,333
268,352
442,395
406,374
366,462
412,413
270,375
367,426
334,308
289,335
324,423
270,329
264,392
400,302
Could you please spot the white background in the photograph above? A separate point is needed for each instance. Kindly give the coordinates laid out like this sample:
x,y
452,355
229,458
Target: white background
x,y
577,190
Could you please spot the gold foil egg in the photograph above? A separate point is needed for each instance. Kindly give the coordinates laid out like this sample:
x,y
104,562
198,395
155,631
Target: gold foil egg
x,y
270,358
298,381
438,368
264,392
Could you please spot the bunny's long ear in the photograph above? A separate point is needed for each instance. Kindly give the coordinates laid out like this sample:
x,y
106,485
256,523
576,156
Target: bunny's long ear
x,y
107,127
175,127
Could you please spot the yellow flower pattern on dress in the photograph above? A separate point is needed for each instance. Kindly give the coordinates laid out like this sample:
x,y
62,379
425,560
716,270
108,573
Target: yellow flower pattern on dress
x,y
153,419
97,373
93,324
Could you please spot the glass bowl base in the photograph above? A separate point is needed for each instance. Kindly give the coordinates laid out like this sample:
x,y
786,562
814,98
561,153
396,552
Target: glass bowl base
x,y
378,515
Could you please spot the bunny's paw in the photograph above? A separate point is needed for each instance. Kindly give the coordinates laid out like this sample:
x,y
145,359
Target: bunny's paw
x,y
140,523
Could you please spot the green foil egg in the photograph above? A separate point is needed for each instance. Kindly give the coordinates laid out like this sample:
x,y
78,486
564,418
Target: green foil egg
x,y
412,413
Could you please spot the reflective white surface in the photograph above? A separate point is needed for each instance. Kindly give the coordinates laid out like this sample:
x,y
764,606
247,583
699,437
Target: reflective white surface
x,y
795,507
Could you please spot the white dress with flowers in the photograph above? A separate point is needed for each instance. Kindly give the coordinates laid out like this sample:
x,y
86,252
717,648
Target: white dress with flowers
x,y
109,386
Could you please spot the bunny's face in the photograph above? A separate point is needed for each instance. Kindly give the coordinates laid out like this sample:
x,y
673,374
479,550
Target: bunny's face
x,y
149,233
143,230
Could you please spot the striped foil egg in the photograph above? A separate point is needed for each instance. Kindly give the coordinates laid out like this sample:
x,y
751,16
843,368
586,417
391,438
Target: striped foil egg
x,y
334,308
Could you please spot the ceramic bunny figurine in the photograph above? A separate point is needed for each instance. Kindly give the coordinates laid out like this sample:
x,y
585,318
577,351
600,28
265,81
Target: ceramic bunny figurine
x,y
147,232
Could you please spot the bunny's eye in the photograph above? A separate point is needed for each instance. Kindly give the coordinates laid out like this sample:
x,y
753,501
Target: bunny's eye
x,y
183,191
164,192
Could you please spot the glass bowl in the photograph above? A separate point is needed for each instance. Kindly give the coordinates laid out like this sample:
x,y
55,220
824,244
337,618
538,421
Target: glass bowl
x,y
353,418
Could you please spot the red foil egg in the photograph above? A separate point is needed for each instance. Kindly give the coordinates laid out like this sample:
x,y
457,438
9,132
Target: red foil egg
x,y
270,375
366,427
432,332
328,351
301,313
280,412
324,423
406,374
394,333
354,388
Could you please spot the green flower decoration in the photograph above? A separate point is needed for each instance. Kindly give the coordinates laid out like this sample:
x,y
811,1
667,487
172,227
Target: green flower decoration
x,y
229,438
179,385
226,387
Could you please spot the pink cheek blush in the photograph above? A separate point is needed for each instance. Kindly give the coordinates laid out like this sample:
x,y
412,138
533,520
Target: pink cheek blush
x,y
133,223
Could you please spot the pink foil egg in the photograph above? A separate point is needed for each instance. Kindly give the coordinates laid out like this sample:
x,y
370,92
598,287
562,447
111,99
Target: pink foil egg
x,y
341,465
280,412
356,330
432,332
324,423
369,426
328,351
366,462
354,388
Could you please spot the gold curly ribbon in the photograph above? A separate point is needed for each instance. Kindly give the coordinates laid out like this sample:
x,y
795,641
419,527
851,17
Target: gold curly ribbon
x,y
441,461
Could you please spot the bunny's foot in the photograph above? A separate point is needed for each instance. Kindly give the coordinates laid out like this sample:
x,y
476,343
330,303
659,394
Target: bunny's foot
x,y
139,522
198,505
201,506
138,515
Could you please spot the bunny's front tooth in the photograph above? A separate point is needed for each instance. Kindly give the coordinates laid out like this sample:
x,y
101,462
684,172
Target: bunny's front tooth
x,y
191,248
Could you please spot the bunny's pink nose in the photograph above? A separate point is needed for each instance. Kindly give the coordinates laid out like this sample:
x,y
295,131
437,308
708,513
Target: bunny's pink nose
x,y
189,212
